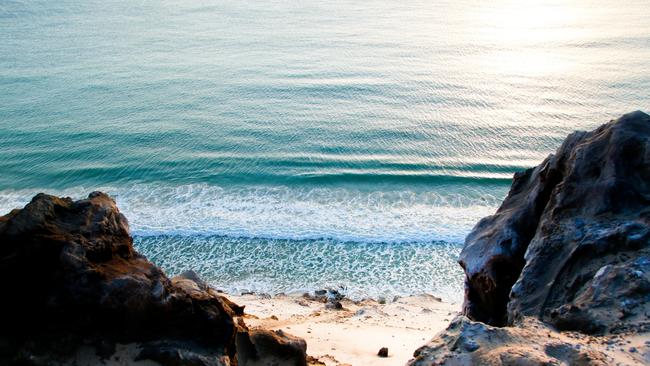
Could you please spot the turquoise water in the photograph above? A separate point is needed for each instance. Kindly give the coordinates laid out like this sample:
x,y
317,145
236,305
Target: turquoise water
x,y
352,143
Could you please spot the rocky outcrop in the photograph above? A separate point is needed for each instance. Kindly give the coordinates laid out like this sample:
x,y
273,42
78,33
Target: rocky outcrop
x,y
569,247
466,342
74,280
261,347
575,224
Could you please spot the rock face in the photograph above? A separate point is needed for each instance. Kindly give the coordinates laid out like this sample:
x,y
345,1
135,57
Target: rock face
x,y
73,279
569,247
261,347
572,236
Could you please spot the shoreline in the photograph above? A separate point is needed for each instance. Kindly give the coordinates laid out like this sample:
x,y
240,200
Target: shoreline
x,y
353,334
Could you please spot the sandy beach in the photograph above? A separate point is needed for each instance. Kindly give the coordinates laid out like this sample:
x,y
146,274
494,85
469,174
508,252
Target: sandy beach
x,y
354,334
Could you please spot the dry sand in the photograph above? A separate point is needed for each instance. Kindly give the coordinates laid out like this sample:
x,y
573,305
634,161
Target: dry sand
x,y
354,334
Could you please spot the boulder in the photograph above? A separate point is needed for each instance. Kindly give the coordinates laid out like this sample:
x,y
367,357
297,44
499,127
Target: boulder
x,y
561,271
73,280
261,347
584,211
75,276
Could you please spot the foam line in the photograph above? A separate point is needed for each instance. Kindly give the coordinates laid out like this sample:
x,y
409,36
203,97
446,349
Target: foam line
x,y
274,266
296,213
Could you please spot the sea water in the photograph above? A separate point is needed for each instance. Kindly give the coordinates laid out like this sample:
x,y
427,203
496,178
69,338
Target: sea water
x,y
284,146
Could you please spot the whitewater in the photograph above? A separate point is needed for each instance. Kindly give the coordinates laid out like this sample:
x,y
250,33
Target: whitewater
x,y
283,147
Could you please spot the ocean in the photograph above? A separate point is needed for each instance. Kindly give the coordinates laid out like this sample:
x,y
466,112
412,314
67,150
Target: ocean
x,y
285,146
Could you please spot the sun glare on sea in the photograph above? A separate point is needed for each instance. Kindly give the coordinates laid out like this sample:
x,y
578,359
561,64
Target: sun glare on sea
x,y
520,32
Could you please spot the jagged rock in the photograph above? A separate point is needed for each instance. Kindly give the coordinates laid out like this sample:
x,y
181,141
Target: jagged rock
x,y
75,273
583,209
568,250
598,216
74,280
261,347
190,282
615,299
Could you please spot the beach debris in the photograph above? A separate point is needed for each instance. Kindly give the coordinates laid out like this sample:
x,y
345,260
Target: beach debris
x,y
336,305
383,352
330,296
336,294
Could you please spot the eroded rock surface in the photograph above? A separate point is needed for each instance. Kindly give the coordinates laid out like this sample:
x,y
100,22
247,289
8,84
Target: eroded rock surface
x,y
261,347
74,281
533,343
584,211
570,248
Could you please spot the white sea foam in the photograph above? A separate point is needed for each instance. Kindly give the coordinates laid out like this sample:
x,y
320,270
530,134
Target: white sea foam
x,y
295,213
291,239
287,266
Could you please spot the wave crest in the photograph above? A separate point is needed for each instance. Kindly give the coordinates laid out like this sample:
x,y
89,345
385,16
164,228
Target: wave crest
x,y
296,213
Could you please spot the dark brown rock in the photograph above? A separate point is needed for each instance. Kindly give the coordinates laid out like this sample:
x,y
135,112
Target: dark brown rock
x,y
73,277
312,361
75,273
261,347
383,352
174,353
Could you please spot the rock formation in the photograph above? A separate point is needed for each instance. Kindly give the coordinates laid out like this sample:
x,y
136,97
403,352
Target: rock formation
x,y
261,347
568,250
560,274
74,280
